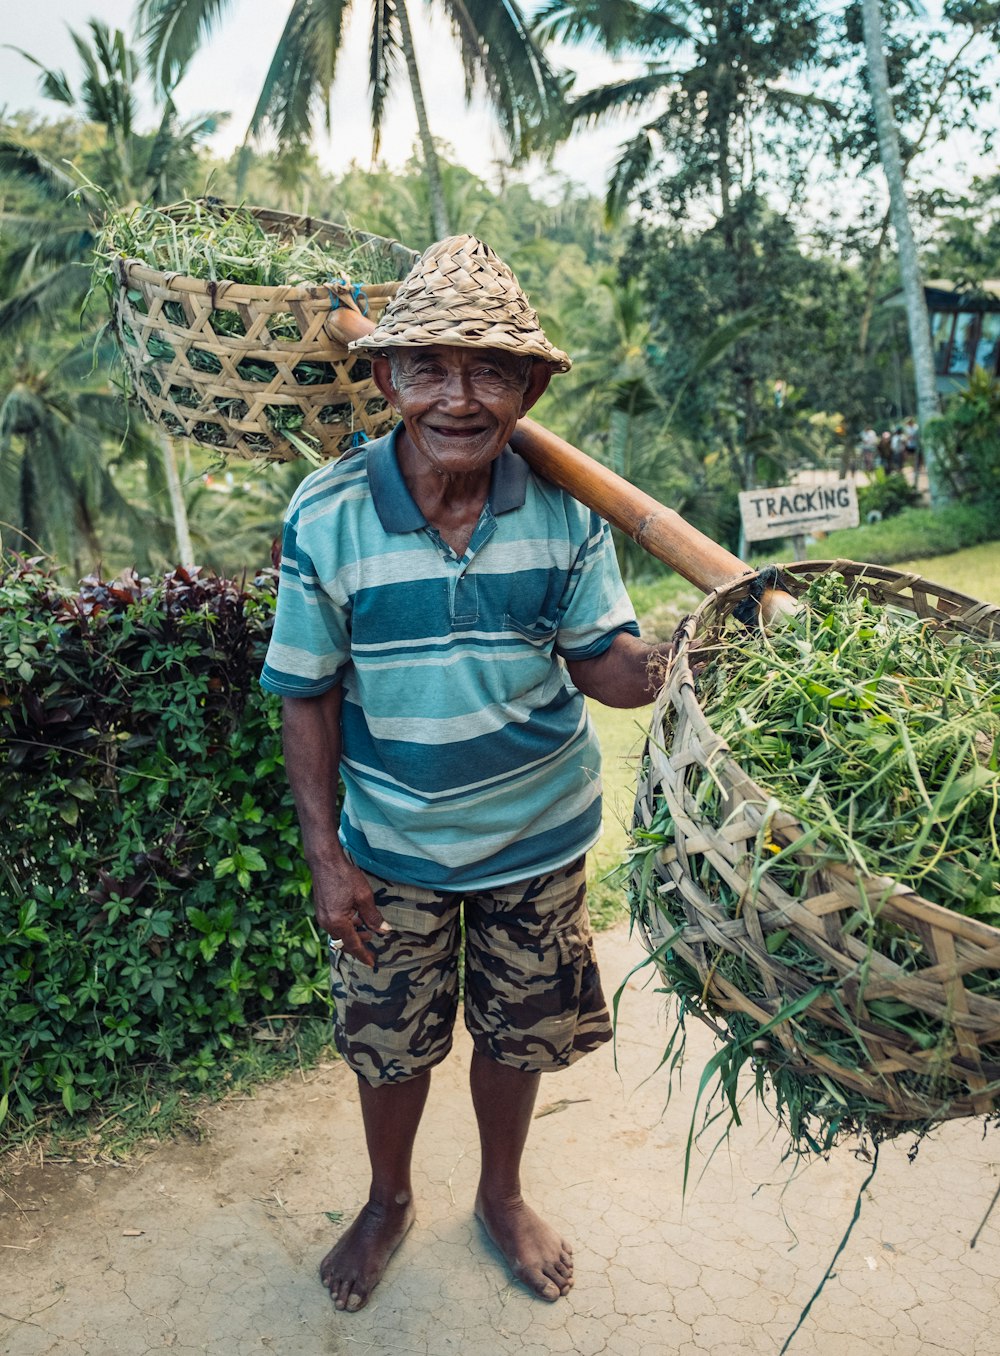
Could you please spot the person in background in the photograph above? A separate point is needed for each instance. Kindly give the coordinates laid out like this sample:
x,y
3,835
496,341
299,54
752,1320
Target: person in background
x,y
869,447
883,453
911,445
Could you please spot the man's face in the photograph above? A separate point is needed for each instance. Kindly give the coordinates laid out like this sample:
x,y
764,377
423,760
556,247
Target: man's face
x,y
459,405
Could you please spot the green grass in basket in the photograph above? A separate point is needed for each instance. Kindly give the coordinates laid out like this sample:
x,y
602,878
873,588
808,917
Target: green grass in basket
x,y
200,240
878,734
881,738
211,242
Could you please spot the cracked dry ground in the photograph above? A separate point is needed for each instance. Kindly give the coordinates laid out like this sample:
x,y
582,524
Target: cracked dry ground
x,y
213,1247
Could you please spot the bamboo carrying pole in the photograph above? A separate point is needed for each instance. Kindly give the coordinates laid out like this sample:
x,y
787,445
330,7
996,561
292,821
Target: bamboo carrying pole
x,y
659,530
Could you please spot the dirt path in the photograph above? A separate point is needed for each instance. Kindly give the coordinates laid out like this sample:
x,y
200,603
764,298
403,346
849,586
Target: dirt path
x,y
213,1247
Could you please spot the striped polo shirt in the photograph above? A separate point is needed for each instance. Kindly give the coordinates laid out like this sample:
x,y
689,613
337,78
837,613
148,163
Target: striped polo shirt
x,y
468,756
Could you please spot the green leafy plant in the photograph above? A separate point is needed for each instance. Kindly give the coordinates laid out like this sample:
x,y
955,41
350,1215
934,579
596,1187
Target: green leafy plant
x,y
885,495
152,887
966,439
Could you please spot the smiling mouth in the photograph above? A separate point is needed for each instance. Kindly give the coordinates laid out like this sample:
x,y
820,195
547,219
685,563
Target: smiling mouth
x,y
467,431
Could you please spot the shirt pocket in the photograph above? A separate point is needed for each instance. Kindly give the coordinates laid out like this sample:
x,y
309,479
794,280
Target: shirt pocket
x,y
540,631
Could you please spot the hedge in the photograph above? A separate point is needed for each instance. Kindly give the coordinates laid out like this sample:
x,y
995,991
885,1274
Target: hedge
x,y
153,895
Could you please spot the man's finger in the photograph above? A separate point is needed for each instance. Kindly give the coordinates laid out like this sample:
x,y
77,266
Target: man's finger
x,y
369,918
352,944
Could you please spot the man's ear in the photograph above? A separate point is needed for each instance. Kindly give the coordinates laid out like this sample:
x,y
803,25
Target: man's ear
x,y
541,375
382,377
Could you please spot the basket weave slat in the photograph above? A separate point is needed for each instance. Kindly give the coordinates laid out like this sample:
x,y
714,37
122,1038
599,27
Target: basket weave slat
x,y
225,407
960,1076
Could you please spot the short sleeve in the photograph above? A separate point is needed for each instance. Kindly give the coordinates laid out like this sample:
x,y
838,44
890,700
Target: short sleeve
x,y
595,606
310,642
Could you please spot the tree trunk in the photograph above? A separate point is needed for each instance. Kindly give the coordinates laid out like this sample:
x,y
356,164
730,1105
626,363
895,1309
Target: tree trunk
x,y
918,322
178,509
439,215
871,288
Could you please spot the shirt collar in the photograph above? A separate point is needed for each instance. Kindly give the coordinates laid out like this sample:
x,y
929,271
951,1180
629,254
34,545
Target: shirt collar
x,y
395,506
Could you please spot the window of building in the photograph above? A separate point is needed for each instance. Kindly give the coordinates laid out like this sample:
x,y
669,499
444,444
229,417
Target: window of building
x,y
988,347
941,323
962,344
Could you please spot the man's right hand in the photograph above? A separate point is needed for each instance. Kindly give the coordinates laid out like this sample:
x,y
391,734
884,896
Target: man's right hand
x,y
346,908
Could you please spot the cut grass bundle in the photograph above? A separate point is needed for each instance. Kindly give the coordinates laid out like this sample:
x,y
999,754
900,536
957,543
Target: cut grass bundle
x,y
206,239
225,309
815,856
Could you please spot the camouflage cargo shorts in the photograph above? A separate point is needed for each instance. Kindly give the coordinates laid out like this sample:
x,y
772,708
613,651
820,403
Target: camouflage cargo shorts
x,y
532,991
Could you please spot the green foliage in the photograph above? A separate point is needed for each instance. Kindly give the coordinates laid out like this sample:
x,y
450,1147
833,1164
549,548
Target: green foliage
x,y
733,310
966,441
886,495
715,79
914,534
152,887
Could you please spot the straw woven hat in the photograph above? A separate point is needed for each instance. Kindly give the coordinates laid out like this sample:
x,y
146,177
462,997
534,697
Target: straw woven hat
x,y
460,292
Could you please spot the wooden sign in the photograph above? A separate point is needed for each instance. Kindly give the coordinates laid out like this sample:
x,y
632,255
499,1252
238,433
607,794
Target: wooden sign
x,y
794,510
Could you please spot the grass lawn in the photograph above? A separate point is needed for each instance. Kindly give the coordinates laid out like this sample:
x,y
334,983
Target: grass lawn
x,y
975,571
621,734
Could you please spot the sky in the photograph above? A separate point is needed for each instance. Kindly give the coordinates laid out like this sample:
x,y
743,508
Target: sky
x,y
228,75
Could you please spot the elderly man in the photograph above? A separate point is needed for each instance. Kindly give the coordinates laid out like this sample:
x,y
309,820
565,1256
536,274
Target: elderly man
x,y
441,615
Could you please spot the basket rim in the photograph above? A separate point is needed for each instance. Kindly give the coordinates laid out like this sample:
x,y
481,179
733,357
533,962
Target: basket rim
x,y
974,610
226,290
270,218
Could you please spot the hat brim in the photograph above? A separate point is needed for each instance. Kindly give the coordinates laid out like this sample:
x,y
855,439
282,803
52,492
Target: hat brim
x,y
544,352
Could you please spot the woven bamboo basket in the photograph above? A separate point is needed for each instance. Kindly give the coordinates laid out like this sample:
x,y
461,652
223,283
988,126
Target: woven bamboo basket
x,y
948,953
228,390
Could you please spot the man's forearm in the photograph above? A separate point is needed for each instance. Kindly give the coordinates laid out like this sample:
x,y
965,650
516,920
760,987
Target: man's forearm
x,y
311,738
345,907
627,674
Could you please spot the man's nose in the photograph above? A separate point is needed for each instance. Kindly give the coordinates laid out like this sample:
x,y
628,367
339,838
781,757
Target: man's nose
x,y
458,390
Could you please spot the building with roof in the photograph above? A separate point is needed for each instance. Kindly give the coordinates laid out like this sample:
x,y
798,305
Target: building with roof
x,y
965,328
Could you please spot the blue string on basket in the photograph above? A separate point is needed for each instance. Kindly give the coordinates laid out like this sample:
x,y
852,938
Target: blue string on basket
x,y
358,295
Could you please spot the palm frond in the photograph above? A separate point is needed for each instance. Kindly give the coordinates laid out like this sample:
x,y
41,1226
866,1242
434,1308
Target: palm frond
x,y
802,101
301,71
18,161
110,75
618,25
40,246
500,52
173,146
53,84
384,54
632,166
622,96
173,30
62,285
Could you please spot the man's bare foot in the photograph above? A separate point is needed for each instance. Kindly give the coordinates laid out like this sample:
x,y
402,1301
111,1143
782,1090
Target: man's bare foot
x,y
355,1264
535,1253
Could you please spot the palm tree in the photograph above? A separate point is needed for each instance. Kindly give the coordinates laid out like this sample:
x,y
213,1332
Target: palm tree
x,y
58,491
52,237
612,390
292,173
497,49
